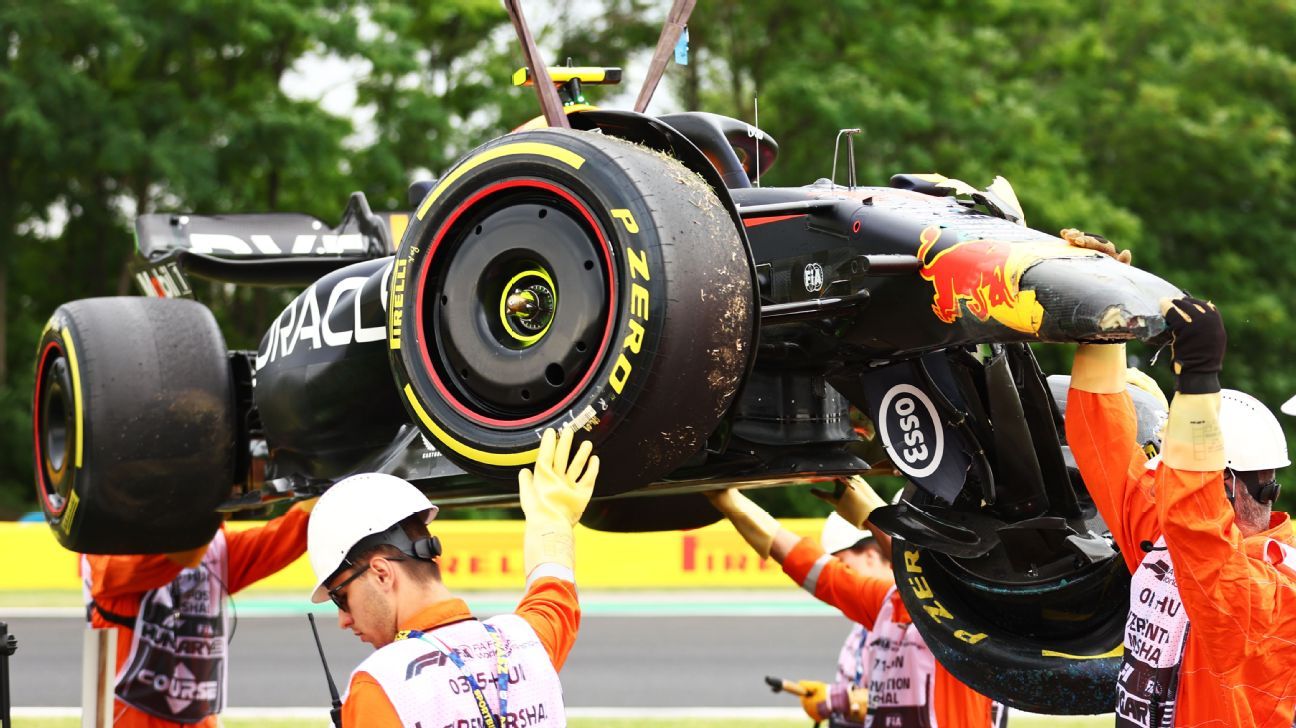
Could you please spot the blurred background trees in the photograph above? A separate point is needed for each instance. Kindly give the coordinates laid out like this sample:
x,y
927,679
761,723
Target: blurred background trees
x,y
1162,125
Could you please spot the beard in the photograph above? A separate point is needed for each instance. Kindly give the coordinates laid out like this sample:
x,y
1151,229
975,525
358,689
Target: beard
x,y
379,616
1252,516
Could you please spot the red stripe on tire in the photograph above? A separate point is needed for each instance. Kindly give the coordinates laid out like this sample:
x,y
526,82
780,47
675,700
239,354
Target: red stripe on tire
x,y
422,280
43,486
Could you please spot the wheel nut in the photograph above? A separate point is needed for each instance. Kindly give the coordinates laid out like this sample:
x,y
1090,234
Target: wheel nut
x,y
522,304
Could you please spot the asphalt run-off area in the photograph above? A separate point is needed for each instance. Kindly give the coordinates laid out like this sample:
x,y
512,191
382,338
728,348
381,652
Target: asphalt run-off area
x,y
663,650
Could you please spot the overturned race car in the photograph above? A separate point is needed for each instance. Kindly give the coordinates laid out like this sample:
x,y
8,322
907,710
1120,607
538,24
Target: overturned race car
x,y
623,274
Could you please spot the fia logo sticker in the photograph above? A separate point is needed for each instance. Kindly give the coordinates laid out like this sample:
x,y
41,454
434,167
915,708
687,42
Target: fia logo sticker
x,y
814,278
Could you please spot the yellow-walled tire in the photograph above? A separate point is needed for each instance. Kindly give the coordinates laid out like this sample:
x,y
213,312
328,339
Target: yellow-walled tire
x,y
556,277
133,425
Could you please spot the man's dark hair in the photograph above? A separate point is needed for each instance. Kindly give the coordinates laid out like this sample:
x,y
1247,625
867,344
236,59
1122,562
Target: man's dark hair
x,y
866,545
414,530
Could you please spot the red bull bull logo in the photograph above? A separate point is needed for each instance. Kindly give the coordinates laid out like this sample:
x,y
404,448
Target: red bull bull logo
x,y
984,276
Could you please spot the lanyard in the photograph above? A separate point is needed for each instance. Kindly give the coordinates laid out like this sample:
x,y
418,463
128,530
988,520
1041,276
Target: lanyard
x,y
501,679
859,659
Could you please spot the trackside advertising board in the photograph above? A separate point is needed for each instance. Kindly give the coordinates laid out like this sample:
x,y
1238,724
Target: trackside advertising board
x,y
484,555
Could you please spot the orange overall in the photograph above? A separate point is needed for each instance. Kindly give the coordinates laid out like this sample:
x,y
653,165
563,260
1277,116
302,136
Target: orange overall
x,y
861,598
118,583
1239,661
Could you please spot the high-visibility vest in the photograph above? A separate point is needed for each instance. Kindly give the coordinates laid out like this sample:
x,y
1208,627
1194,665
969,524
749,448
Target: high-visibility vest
x,y
177,666
1156,631
902,672
426,687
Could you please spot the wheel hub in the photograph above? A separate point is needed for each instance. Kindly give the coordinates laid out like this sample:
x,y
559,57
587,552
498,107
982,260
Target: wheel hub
x,y
520,305
527,306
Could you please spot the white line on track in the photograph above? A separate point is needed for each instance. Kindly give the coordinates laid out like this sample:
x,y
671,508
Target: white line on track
x,y
307,713
712,603
588,713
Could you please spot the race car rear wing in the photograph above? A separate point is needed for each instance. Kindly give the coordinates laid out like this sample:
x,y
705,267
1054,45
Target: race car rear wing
x,y
267,249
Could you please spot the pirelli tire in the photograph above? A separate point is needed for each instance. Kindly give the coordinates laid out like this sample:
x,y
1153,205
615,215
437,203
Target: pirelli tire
x,y
559,277
970,632
134,425
1051,647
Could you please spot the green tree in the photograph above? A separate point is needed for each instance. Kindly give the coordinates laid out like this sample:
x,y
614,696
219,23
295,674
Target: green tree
x,y
1165,127
46,107
109,110
117,109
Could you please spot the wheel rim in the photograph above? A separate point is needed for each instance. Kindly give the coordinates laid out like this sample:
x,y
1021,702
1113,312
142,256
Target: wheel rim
x,y
514,305
54,427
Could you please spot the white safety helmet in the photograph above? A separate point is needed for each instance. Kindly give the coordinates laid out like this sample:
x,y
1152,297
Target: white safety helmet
x,y
1289,407
838,534
356,507
1253,439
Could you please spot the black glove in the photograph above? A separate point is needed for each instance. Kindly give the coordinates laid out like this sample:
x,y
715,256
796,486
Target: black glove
x,y
1197,344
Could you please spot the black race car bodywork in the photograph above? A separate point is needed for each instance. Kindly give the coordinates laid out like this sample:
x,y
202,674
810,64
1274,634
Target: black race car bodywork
x,y
625,277
849,280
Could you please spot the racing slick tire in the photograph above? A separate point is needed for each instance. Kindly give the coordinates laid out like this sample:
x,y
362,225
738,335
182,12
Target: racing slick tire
x,y
134,425
1043,663
1049,647
564,278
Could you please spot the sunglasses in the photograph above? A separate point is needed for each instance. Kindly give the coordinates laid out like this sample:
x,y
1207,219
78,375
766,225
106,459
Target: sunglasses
x,y
1262,491
336,594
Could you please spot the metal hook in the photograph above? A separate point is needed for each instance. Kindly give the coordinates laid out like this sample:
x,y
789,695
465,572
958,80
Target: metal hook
x,y
850,156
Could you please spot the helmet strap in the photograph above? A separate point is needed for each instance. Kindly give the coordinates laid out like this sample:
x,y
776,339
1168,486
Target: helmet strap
x,y
423,549
427,549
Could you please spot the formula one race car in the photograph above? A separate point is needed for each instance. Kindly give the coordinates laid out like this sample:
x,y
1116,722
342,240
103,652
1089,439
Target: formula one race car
x,y
623,276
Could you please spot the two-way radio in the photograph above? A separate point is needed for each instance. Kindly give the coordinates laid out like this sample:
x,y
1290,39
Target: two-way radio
x,y
335,713
8,645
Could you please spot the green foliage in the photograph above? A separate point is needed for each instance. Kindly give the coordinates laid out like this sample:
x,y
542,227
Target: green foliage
x,y
112,109
1165,126
797,500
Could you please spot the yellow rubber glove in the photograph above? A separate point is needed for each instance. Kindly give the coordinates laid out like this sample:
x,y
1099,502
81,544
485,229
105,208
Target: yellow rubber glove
x,y
306,506
1099,368
1137,378
553,498
750,520
857,502
1193,440
858,704
1092,241
814,701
